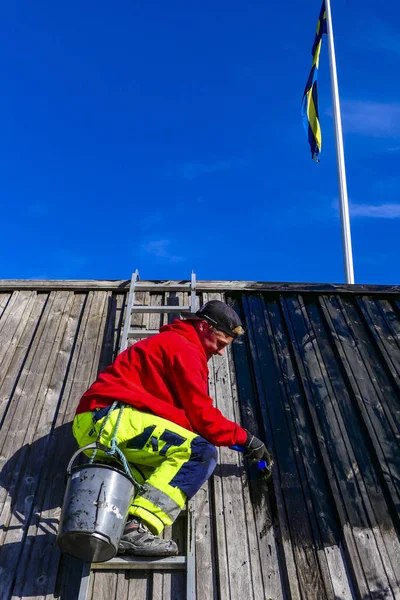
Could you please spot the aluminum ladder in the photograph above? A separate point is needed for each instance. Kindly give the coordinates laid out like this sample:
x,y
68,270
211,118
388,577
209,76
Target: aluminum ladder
x,y
183,562
136,286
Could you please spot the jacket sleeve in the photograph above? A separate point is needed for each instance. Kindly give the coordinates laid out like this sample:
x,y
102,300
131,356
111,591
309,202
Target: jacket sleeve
x,y
206,419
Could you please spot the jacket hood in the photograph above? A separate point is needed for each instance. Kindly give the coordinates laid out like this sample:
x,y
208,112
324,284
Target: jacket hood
x,y
184,328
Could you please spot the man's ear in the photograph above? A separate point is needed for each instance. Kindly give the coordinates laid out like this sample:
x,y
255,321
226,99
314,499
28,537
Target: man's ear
x,y
203,325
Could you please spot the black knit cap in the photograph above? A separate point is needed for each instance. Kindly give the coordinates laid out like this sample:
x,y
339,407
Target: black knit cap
x,y
220,315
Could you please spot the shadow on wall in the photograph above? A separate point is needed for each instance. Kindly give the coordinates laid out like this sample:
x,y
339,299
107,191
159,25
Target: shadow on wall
x,y
30,563
32,486
34,479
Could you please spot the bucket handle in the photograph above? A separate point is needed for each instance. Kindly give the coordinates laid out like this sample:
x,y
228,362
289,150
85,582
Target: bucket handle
x,y
80,450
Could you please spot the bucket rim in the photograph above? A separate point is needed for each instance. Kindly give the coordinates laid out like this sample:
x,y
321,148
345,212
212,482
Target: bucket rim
x,y
101,465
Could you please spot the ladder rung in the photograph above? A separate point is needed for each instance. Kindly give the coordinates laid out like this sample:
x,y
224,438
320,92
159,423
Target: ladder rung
x,y
162,287
142,562
138,333
160,309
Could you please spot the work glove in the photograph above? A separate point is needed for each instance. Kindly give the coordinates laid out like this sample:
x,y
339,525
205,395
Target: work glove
x,y
255,449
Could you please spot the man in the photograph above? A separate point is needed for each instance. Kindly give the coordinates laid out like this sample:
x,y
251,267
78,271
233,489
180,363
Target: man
x,y
169,430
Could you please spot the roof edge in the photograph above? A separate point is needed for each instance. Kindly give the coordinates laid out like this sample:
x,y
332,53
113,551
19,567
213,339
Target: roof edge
x,y
122,285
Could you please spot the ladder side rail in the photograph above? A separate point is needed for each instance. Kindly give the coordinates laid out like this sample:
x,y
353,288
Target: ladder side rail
x,y
193,292
128,313
191,553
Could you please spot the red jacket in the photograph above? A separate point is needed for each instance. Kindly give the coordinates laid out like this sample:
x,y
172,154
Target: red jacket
x,y
167,375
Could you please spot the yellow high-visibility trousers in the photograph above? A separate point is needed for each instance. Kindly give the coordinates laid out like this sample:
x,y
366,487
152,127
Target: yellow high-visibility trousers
x,y
170,462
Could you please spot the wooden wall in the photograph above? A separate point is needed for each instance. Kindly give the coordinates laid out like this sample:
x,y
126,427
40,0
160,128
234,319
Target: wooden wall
x,y
317,374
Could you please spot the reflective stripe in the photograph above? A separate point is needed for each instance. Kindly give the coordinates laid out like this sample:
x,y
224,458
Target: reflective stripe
x,y
161,500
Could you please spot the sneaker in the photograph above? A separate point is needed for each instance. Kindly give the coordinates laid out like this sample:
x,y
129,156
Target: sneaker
x,y
137,539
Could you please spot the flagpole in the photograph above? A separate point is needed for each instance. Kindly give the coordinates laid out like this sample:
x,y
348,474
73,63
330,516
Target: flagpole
x,y
344,202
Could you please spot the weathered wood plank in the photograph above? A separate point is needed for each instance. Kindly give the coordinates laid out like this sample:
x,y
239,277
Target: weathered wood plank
x,y
9,306
204,510
104,585
159,585
220,539
243,557
42,524
231,526
259,498
139,585
103,334
155,320
380,327
79,285
15,361
177,299
228,481
44,556
68,582
4,300
90,351
12,433
309,577
383,529
177,588
392,321
378,362
168,586
122,588
369,400
321,511
353,560
363,472
201,286
341,583
343,461
13,328
29,409
118,322
12,325
262,531
172,583
86,574
362,448
112,329
73,388
32,371
206,584
253,401
138,320
43,579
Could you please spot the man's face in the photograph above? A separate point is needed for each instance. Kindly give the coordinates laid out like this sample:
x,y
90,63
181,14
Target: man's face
x,y
213,340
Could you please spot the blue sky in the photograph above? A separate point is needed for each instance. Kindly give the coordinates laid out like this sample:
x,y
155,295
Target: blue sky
x,y
167,136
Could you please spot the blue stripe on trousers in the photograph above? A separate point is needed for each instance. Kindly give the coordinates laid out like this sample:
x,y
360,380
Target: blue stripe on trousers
x,y
197,469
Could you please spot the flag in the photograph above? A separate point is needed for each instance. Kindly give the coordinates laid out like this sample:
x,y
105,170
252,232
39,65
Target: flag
x,y
309,105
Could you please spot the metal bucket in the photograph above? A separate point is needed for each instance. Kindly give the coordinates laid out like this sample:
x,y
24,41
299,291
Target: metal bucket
x,y
94,512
